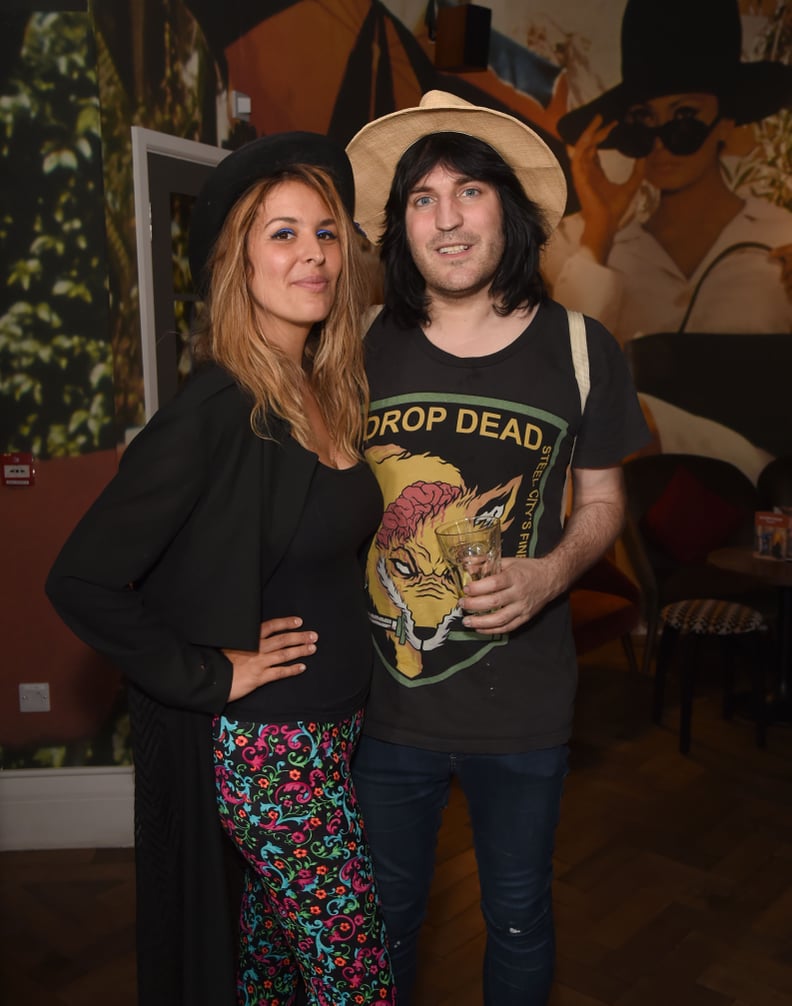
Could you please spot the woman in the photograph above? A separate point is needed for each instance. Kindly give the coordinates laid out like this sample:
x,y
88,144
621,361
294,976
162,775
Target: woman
x,y
684,91
220,570
692,255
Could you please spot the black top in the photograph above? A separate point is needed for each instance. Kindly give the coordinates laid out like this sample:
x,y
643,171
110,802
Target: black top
x,y
320,579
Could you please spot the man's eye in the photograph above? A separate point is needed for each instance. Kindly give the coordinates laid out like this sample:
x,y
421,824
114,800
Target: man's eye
x,y
470,191
422,200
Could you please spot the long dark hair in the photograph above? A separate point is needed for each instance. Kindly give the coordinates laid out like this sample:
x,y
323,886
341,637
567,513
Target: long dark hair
x,y
517,282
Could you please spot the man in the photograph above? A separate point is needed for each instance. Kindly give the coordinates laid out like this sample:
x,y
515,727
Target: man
x,y
475,409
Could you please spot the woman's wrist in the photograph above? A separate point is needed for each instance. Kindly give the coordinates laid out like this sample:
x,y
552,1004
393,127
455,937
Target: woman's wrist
x,y
597,237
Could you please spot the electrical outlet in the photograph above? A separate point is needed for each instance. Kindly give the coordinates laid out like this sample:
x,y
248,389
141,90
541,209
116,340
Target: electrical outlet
x,y
34,697
241,105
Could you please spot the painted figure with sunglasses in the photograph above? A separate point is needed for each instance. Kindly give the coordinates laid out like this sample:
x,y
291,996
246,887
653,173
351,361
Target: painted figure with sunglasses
x,y
636,268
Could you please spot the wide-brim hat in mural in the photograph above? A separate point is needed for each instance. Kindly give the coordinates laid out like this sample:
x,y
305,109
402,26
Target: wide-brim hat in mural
x,y
685,46
261,158
377,148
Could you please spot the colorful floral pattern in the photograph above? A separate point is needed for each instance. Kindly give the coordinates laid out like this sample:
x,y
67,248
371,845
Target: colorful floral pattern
x,y
310,907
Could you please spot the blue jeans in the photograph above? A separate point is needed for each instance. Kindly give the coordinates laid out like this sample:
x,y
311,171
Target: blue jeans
x,y
514,802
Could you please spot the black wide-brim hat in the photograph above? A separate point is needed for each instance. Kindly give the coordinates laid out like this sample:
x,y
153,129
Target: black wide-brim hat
x,y
261,158
685,46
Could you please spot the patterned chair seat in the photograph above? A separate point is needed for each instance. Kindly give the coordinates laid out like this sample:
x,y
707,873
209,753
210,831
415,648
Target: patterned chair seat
x,y
685,624
710,617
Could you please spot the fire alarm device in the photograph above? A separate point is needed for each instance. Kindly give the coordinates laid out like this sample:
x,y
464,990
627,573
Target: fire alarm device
x,y
18,469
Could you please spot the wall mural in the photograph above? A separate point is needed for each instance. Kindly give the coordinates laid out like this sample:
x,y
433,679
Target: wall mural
x,y
678,226
56,390
677,234
679,243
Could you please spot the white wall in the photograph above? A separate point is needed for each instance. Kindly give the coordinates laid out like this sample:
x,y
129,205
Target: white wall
x,y
67,808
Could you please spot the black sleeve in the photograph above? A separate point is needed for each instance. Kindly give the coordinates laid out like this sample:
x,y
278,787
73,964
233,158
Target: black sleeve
x,y
95,582
613,423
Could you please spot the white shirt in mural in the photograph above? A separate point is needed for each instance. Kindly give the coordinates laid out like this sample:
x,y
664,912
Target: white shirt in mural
x,y
641,290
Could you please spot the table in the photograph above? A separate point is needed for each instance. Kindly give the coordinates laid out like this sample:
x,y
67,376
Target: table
x,y
776,573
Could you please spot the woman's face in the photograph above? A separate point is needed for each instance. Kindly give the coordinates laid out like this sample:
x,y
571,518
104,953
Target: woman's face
x,y
690,116
294,261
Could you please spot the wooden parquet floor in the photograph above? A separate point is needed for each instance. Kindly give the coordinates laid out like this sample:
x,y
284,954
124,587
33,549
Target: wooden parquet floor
x,y
673,876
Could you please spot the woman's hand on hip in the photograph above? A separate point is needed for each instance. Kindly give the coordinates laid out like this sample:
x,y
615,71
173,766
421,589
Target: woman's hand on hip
x,y
281,646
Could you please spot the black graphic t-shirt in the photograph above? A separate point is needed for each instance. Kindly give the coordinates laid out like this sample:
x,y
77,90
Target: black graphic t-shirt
x,y
450,437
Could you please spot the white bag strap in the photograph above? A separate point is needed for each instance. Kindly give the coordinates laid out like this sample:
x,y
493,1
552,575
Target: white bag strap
x,y
369,316
580,361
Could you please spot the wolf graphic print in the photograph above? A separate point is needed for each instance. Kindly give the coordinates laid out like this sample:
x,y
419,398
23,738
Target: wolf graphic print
x,y
413,598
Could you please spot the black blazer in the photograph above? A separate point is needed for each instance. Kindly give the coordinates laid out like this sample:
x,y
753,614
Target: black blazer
x,y
166,568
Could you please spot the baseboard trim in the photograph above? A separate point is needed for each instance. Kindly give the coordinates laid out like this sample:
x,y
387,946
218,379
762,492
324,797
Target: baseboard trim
x,y
67,808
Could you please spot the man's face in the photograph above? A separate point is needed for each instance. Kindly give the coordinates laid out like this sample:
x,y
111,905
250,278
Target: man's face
x,y
455,233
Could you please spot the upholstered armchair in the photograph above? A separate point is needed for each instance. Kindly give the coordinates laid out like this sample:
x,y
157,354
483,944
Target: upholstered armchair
x,y
680,507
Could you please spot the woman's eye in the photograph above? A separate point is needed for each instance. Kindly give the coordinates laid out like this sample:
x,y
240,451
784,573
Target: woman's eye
x,y
282,234
325,235
687,112
639,117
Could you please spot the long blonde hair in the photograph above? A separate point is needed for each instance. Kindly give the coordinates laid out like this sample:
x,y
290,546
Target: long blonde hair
x,y
230,333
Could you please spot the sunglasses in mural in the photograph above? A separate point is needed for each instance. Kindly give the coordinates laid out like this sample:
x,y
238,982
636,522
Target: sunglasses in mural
x,y
680,136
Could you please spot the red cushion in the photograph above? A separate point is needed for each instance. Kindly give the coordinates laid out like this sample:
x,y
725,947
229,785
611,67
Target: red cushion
x,y
689,520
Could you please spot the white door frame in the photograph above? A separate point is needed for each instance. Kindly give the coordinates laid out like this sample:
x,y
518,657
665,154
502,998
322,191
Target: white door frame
x,y
144,142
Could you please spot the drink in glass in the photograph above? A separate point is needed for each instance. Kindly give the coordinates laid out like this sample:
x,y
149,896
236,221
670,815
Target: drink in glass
x,y
471,547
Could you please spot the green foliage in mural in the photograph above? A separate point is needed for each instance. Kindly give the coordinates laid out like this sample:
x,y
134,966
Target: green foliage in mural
x,y
169,83
111,744
56,394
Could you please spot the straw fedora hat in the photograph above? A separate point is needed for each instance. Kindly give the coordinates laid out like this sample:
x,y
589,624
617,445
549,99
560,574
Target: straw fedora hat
x,y
376,149
261,158
679,47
